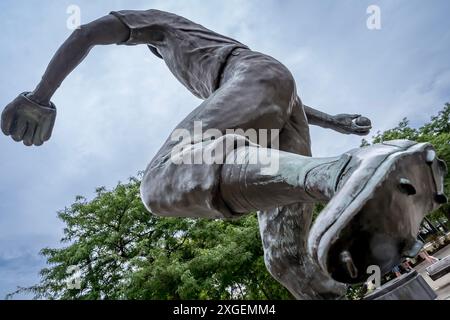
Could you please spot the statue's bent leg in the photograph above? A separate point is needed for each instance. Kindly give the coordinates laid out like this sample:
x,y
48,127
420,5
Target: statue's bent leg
x,y
256,93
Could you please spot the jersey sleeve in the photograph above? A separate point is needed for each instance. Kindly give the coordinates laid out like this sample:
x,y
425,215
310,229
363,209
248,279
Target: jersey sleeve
x,y
146,27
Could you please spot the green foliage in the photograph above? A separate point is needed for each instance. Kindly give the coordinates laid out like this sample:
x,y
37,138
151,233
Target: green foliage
x,y
356,292
124,252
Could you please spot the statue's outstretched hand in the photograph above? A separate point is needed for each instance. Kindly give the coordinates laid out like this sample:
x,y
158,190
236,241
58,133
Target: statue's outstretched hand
x,y
27,121
352,124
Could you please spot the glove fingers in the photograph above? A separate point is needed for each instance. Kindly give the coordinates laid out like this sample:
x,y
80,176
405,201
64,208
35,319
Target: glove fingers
x,y
364,129
18,129
7,122
29,134
47,128
37,140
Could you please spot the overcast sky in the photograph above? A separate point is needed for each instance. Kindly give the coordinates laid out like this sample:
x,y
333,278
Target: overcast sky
x,y
120,105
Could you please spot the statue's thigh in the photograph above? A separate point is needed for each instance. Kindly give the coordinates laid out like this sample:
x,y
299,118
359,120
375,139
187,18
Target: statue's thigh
x,y
250,99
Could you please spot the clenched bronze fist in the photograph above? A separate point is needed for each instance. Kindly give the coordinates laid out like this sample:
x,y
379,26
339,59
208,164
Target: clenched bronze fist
x,y
352,124
27,121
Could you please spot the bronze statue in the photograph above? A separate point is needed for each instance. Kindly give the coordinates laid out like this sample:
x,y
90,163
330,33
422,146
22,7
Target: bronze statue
x,y
377,196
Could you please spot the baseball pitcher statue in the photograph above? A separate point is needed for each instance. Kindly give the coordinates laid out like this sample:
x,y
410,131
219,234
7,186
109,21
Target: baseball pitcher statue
x,y
376,196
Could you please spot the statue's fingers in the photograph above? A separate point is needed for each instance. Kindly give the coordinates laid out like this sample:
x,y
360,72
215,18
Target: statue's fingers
x,y
47,128
363,131
18,129
6,123
363,128
29,134
37,139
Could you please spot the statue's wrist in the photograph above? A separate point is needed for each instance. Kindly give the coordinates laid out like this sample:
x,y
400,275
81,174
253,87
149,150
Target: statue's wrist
x,y
332,122
36,98
37,102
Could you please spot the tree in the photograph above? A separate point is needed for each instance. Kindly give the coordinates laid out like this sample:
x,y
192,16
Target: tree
x,y
123,252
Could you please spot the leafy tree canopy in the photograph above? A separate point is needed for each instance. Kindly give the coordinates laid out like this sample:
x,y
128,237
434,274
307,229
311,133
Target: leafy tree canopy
x,y
123,252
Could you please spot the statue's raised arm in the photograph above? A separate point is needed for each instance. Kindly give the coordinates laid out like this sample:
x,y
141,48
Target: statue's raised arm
x,y
31,116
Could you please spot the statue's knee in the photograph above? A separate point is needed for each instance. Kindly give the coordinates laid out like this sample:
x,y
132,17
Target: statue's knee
x,y
150,189
279,277
149,199
278,93
273,269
